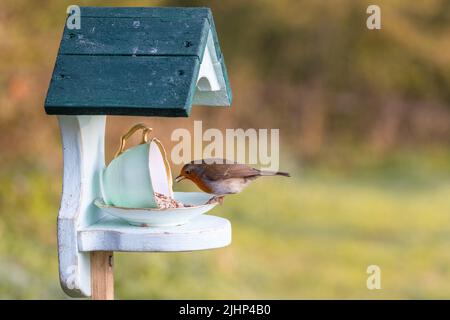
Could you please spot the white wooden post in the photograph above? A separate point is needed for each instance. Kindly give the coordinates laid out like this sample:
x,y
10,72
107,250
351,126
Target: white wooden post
x,y
83,153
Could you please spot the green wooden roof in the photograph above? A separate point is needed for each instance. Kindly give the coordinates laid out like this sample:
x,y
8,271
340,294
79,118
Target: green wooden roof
x,y
137,61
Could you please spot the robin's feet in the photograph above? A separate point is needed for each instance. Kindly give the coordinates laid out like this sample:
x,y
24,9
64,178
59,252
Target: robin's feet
x,y
216,199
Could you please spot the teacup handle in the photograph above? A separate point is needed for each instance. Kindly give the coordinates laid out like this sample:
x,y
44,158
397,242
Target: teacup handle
x,y
140,126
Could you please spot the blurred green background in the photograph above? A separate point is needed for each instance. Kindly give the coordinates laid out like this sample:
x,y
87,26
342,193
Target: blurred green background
x,y
364,120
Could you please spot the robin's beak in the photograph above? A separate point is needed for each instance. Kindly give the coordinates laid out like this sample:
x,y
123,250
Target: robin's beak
x,y
179,178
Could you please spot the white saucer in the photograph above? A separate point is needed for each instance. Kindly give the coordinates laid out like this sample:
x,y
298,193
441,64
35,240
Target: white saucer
x,y
155,217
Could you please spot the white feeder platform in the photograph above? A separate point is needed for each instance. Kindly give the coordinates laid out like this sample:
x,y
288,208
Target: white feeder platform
x,y
114,234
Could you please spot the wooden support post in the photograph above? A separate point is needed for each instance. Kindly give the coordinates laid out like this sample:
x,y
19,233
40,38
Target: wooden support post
x,y
102,275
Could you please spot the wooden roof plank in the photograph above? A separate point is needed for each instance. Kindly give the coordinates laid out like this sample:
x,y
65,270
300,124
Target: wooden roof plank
x,y
136,36
122,85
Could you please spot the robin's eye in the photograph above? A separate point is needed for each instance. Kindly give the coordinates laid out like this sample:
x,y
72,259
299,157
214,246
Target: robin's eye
x,y
188,172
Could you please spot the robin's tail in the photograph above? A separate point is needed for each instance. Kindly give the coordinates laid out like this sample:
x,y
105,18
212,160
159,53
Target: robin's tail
x,y
274,173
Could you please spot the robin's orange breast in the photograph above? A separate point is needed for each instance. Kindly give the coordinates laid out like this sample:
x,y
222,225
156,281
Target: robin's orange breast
x,y
202,184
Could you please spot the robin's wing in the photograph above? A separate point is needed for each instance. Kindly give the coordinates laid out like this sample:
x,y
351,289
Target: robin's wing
x,y
217,171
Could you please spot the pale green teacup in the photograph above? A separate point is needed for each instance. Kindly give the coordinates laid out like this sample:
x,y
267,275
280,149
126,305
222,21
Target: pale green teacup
x,y
133,176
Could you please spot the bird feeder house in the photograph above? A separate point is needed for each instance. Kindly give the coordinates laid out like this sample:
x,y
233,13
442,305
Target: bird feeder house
x,y
126,61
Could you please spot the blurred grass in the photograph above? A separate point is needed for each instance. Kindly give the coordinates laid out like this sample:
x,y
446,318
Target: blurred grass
x,y
311,236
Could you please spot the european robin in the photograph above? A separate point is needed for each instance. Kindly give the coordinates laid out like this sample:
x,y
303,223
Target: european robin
x,y
221,177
